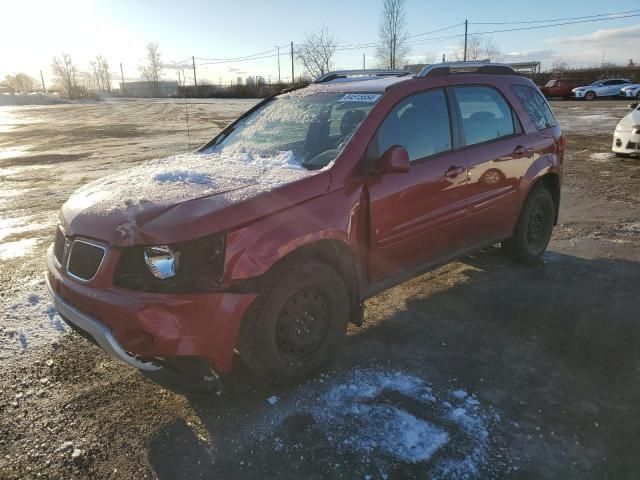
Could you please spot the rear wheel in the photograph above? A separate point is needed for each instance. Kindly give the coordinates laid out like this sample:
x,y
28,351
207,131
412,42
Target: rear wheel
x,y
590,96
297,322
534,228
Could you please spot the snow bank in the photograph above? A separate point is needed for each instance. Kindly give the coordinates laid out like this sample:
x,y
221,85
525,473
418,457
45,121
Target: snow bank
x,y
7,100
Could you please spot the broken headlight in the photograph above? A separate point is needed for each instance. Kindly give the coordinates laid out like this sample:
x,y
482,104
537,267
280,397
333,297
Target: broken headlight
x,y
191,267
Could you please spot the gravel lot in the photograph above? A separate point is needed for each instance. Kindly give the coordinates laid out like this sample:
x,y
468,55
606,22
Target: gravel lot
x,y
482,368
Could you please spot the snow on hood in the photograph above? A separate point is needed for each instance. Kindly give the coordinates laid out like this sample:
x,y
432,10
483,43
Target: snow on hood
x,y
124,201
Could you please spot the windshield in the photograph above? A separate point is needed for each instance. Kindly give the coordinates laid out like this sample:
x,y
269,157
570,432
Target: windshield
x,y
311,128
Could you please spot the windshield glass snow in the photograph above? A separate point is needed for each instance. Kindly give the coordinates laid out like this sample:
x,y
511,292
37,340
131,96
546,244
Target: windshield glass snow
x,y
313,128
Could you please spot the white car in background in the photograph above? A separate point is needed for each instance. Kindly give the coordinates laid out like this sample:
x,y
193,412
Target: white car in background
x,y
601,88
626,138
631,91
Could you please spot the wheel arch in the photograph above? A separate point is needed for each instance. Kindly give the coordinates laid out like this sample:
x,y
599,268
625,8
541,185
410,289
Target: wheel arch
x,y
340,256
551,181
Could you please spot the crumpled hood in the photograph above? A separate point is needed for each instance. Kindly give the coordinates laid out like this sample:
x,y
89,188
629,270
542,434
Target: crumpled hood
x,y
116,208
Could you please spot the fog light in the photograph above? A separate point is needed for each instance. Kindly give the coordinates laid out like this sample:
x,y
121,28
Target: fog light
x,y
162,261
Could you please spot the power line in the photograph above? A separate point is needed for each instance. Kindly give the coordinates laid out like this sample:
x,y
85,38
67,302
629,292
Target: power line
x,y
554,25
556,19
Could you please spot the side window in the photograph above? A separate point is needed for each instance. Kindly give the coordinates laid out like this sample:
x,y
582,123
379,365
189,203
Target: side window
x,y
536,106
484,114
420,123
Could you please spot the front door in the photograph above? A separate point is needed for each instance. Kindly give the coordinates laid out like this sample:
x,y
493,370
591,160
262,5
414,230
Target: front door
x,y
417,217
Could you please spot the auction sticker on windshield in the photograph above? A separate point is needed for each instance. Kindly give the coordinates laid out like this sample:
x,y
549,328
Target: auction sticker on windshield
x,y
360,97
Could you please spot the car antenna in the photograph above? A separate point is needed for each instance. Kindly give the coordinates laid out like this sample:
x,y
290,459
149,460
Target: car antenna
x,y
186,113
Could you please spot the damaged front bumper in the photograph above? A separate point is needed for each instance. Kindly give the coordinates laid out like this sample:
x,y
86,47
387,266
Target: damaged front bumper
x,y
149,330
98,331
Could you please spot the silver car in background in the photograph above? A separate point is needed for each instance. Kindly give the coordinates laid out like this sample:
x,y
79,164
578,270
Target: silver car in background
x,y
601,88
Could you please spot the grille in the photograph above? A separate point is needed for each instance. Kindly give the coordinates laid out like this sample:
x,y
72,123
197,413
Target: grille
x,y
58,245
84,259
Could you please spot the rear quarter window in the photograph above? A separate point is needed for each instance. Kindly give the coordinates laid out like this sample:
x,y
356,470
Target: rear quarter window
x,y
536,106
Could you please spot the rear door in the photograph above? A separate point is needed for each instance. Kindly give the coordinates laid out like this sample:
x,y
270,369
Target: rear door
x,y
497,154
416,217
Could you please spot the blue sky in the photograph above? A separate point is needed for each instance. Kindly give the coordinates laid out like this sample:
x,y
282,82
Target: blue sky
x,y
119,30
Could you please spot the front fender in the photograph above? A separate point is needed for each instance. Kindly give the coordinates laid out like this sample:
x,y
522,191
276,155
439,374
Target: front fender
x,y
255,248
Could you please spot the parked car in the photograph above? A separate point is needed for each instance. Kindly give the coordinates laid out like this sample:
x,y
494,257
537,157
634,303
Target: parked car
x,y
631,91
626,138
562,87
601,88
270,237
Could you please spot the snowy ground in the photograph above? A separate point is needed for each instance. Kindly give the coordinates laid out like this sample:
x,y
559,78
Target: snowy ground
x,y
480,369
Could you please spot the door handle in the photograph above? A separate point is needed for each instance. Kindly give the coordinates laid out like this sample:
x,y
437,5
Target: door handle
x,y
453,171
522,151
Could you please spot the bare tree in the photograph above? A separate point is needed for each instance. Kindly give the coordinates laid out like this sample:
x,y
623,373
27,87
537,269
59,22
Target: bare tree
x,y
19,83
101,75
317,51
392,33
478,48
152,70
66,72
559,66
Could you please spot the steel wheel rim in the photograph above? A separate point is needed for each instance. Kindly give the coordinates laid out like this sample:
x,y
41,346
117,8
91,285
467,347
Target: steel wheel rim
x,y
536,226
302,323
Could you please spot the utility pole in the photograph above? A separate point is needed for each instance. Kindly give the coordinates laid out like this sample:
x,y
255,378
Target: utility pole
x,y
278,63
195,81
42,78
364,61
121,76
466,25
178,77
293,78
220,81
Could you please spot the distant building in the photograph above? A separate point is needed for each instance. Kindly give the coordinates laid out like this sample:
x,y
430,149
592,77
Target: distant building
x,y
250,81
239,81
145,89
260,80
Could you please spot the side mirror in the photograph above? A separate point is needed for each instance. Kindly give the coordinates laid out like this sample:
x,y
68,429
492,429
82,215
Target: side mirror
x,y
394,160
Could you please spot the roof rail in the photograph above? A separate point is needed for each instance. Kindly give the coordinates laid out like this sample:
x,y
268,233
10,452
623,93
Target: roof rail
x,y
448,68
379,72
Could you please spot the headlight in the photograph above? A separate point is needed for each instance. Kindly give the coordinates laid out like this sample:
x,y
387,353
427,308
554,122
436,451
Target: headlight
x,y
162,261
191,267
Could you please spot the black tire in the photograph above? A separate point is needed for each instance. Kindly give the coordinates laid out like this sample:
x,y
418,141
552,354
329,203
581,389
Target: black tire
x,y
590,95
534,227
296,324
622,155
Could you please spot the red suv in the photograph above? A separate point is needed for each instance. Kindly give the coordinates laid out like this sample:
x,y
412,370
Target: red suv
x,y
269,238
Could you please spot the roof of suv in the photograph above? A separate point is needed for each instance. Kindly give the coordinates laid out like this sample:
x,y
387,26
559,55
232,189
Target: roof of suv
x,y
380,80
359,84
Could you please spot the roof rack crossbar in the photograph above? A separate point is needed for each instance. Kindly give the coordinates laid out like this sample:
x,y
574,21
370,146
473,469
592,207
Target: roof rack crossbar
x,y
378,72
438,69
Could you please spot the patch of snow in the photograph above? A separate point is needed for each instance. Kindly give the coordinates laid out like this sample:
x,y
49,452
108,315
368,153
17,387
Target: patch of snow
x,y
386,416
272,400
601,156
459,394
30,321
19,248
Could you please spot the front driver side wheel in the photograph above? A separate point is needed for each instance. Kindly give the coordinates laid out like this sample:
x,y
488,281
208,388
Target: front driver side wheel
x,y
590,96
297,322
534,228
